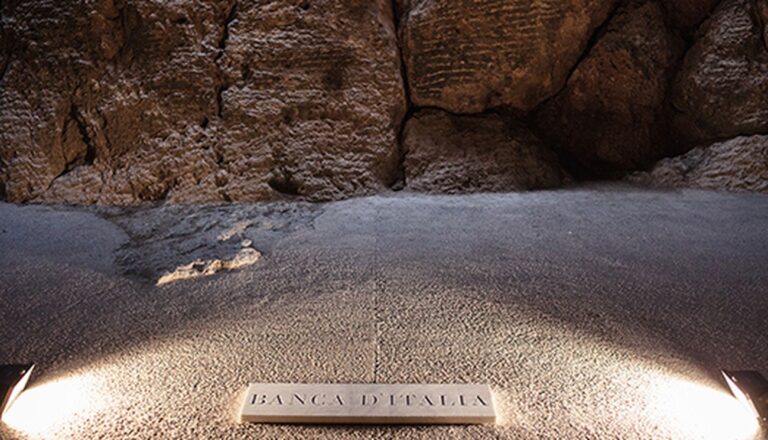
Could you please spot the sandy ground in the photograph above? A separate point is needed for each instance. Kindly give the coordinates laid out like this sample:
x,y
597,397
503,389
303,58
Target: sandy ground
x,y
594,313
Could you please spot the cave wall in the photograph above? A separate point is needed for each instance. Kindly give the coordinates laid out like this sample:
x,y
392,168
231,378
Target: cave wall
x,y
197,101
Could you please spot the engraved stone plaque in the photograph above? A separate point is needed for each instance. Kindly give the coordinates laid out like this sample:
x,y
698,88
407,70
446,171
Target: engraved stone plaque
x,y
368,404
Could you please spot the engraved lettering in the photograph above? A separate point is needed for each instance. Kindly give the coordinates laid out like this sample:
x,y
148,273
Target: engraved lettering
x,y
373,398
396,403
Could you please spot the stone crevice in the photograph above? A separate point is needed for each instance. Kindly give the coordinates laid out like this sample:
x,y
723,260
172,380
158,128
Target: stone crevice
x,y
222,44
761,12
399,180
4,68
85,157
597,34
5,51
90,152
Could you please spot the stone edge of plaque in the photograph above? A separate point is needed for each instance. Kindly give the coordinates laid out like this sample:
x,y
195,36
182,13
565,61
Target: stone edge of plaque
x,y
351,419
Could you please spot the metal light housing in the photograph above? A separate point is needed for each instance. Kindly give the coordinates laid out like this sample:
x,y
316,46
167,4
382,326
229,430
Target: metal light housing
x,y
751,388
13,380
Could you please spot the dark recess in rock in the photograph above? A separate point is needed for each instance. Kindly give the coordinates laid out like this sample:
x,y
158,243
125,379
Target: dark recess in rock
x,y
688,14
460,154
610,117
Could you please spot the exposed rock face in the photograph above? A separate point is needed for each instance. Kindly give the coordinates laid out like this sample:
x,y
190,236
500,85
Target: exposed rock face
x,y
316,89
198,100
735,165
466,56
686,14
609,117
722,88
168,242
104,102
457,154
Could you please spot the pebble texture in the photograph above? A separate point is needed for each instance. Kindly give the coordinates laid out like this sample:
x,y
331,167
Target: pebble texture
x,y
722,89
538,294
198,101
610,116
467,56
740,164
458,154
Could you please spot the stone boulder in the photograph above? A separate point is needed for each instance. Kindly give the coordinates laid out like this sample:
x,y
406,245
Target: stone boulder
x,y
459,154
739,164
722,88
198,101
610,116
466,56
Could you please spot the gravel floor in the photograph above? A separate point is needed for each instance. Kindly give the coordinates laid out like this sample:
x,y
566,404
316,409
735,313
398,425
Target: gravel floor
x,y
600,312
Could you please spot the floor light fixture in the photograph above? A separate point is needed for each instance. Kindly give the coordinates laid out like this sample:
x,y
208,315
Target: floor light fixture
x,y
751,389
13,380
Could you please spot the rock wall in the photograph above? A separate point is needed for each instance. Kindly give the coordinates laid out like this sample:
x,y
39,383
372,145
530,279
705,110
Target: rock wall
x,y
453,154
611,114
199,101
722,88
739,164
196,101
466,56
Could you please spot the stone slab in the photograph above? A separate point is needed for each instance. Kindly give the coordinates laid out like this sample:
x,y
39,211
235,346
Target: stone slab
x,y
368,404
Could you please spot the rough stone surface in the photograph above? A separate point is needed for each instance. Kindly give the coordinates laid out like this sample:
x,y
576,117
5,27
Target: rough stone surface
x,y
610,116
200,101
687,14
740,164
315,87
168,239
197,101
104,101
466,56
457,154
722,89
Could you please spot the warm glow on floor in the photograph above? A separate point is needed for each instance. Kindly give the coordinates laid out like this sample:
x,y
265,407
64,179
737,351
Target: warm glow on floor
x,y
45,410
694,410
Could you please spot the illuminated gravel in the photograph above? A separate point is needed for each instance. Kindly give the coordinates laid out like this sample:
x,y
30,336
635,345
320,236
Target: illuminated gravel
x,y
593,313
